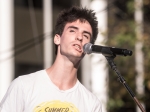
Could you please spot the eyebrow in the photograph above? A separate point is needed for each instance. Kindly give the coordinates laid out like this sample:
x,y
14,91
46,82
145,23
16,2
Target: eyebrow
x,y
74,27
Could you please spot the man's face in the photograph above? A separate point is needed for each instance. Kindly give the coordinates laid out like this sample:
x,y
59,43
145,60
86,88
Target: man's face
x,y
73,38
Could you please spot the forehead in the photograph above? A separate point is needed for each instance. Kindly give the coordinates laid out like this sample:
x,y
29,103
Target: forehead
x,y
83,25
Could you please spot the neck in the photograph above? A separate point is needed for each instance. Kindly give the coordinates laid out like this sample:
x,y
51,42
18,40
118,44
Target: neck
x,y
63,73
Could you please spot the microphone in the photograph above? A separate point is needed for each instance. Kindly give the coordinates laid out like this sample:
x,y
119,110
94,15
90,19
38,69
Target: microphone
x,y
106,51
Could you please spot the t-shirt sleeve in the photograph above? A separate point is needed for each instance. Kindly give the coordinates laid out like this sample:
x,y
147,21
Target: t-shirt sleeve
x,y
97,106
13,100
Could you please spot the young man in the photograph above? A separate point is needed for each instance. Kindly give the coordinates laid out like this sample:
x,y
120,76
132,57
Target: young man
x,y
57,88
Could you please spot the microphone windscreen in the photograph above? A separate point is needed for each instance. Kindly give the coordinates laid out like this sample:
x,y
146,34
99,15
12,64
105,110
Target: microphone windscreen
x,y
87,48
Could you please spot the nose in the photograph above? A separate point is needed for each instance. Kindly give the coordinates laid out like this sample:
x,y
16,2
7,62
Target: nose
x,y
79,37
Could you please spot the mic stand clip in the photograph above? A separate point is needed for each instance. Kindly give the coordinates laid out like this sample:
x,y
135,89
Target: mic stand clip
x,y
122,80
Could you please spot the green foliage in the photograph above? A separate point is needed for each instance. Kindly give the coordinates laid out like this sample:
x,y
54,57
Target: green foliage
x,y
122,34
118,95
130,6
114,104
146,48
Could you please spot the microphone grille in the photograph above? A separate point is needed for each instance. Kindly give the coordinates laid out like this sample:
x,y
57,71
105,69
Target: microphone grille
x,y
87,48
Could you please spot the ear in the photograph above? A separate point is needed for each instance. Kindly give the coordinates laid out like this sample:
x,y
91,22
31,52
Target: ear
x,y
57,39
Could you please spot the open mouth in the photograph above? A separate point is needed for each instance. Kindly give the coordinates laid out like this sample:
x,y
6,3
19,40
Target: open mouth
x,y
78,47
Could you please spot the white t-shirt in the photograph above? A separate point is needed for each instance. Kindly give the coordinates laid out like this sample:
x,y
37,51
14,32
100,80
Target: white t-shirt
x,y
35,92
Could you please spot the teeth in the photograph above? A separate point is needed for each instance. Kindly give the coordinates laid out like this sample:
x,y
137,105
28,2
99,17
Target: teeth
x,y
77,46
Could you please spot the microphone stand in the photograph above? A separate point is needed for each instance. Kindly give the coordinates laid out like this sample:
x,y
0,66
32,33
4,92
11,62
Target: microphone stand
x,y
122,80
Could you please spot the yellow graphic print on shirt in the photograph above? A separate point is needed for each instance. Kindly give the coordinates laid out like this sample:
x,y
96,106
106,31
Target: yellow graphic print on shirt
x,y
55,106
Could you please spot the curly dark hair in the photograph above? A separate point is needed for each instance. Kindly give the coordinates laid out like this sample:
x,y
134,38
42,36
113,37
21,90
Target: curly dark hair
x,y
73,14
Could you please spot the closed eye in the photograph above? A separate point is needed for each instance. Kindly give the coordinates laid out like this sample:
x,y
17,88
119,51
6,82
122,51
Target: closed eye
x,y
71,30
86,36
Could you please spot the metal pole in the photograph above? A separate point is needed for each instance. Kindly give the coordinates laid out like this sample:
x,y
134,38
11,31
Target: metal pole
x,y
139,59
48,43
99,70
6,42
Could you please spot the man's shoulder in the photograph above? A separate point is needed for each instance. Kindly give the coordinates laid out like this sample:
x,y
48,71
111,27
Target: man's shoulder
x,y
28,79
31,76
